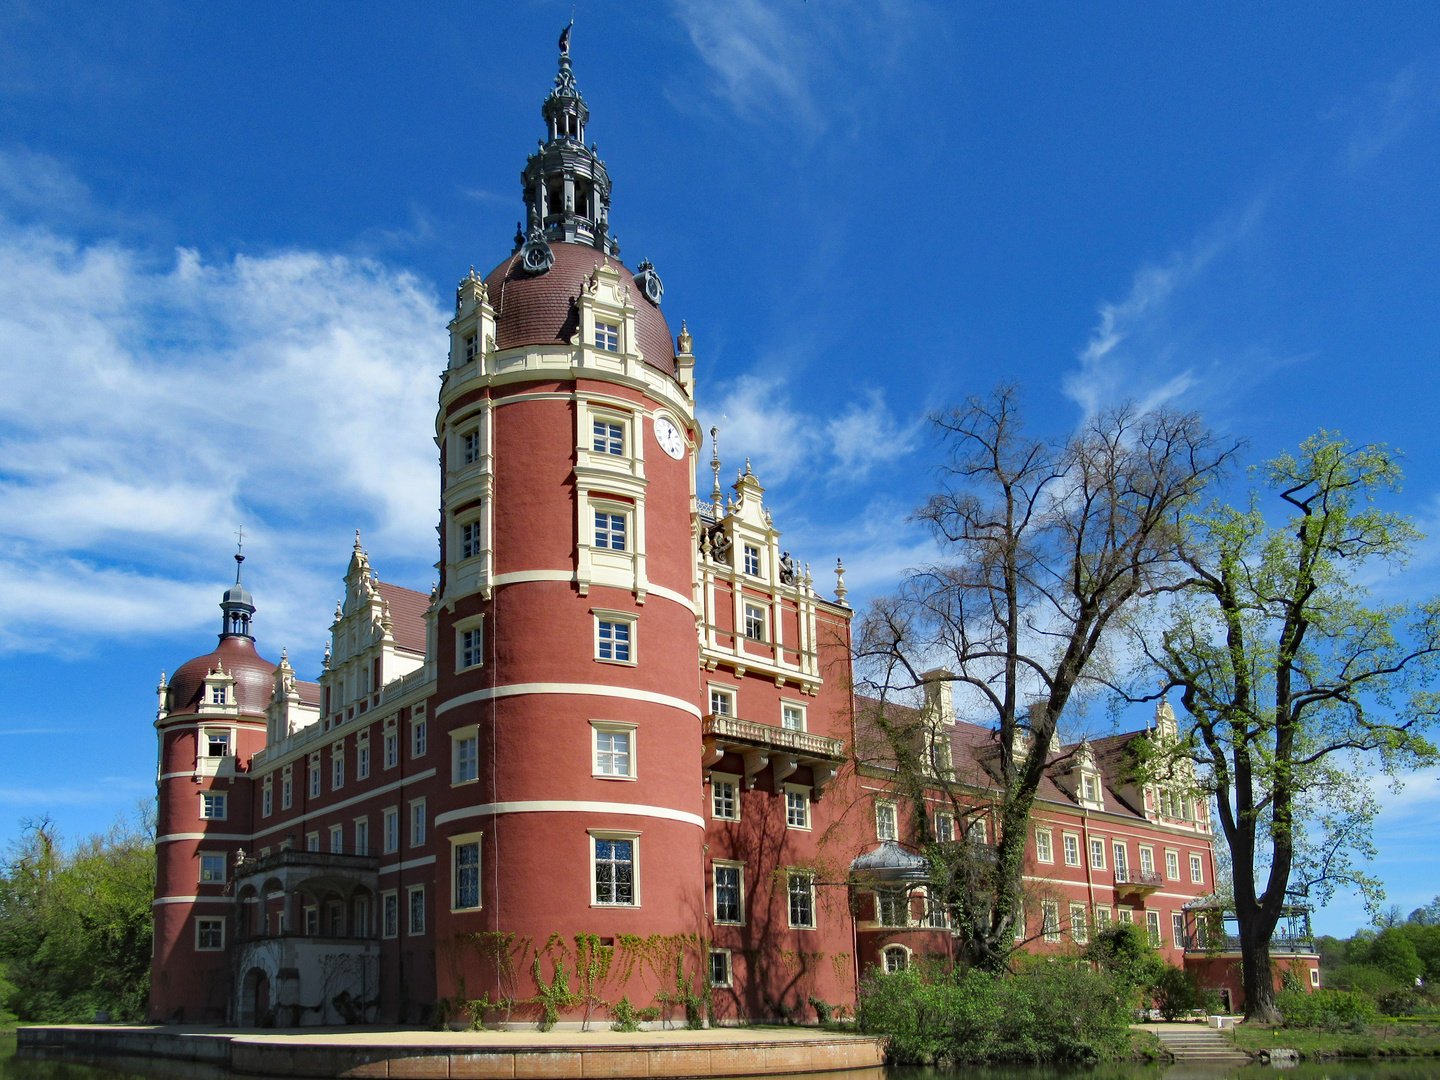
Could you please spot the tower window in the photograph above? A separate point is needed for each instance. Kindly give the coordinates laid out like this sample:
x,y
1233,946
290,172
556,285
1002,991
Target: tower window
x,y
217,697
469,540
471,653
209,934
612,640
471,346
728,893
609,530
609,438
613,746
217,743
470,445
614,871
467,876
212,806
607,337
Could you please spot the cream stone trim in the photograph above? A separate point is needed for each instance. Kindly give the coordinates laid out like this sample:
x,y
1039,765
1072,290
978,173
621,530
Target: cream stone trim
x,y
342,804
171,837
520,577
584,689
409,864
192,900
568,806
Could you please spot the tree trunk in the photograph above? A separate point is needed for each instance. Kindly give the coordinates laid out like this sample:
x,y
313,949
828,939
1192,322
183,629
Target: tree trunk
x,y
1257,975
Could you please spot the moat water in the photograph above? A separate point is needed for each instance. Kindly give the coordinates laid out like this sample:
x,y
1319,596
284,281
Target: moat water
x,y
15,1067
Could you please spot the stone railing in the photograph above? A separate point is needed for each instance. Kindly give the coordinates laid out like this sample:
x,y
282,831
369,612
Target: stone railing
x,y
802,743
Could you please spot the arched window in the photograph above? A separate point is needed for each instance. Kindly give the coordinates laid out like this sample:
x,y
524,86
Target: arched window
x,y
897,958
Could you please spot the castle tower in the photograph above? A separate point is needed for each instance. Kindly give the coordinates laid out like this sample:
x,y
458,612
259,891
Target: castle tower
x,y
567,689
211,715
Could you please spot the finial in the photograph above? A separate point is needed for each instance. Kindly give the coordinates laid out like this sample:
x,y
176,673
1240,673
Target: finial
x,y
339,614
325,660
716,495
284,655
163,683
840,590
239,552
357,539
686,341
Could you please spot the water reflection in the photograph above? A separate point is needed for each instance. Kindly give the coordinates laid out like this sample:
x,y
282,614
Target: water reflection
x,y
13,1067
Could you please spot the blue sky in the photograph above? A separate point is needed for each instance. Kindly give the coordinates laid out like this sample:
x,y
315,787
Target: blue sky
x,y
229,234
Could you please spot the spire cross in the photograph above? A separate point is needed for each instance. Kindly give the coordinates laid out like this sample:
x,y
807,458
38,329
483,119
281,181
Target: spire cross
x,y
239,551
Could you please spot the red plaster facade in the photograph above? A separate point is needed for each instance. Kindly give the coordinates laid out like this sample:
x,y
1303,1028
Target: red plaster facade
x,y
623,711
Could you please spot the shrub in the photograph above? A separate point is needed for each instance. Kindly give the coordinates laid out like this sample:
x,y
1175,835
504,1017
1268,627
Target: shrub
x,y
1330,1010
626,1016
1047,1011
1176,992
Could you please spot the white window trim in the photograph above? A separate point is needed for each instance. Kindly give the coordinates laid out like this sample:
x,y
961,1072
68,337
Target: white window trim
x,y
471,732
616,834
201,856
473,622
892,947
747,605
419,722
1065,853
802,790
209,919
1171,853
729,692
944,815
1104,862
363,819
1049,843
455,844
1140,860
385,814
596,727
410,931
734,782
599,504
223,804
424,840
631,620
894,818
1050,929
808,875
1197,869
729,969
790,703
398,913
715,891
1084,936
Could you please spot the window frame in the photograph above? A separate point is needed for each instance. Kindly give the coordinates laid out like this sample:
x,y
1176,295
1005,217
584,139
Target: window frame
x,y
893,818
1177,928
614,727
728,696
214,924
469,643
751,567
466,840
419,822
729,969
267,796
608,336
598,836
610,420
287,787
1104,919
470,734
1097,846
761,620
1197,868
1147,855
612,510
1083,937
1050,921
807,879
419,735
203,879
786,707
362,755
944,826
1045,846
1069,841
411,892
390,913
390,828
337,765
895,949
1153,928
717,865
614,621
734,784
798,795
362,835
1172,864
214,806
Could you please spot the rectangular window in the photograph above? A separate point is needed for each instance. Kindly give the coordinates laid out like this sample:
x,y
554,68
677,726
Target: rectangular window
x,y
1172,865
1020,928
217,743
936,917
1050,916
1126,915
1043,851
754,622
1152,926
212,869
467,758
612,640
802,901
892,907
392,829
337,773
609,438
944,828
362,761
469,540
976,832
1097,853
267,799
720,967
417,909
419,740
392,749
470,445
472,344
886,826
1092,789
722,800
417,823
315,777
1071,846
729,898
312,841
614,871
607,337
467,875
217,695
1177,927
1122,864
1147,861
1102,919
389,914
1197,870
1079,932
609,530
209,934
792,717
752,560
722,703
212,806
613,752
337,840
287,789
797,808
362,836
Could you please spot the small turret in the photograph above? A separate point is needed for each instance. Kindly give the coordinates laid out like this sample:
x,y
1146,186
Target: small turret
x,y
237,605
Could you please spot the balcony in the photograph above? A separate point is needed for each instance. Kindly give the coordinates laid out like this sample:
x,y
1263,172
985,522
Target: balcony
x,y
1139,883
1280,944
782,750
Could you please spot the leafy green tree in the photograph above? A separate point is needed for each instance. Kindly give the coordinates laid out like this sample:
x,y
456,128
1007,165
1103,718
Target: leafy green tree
x,y
1045,545
1296,681
1394,953
1429,915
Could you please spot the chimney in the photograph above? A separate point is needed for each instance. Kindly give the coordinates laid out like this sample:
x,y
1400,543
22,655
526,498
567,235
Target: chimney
x,y
939,694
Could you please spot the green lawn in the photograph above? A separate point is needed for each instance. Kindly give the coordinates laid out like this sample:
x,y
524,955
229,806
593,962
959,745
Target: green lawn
x,y
1380,1040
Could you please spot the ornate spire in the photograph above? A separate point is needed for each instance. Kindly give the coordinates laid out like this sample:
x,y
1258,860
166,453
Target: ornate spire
x,y
237,606
716,494
567,189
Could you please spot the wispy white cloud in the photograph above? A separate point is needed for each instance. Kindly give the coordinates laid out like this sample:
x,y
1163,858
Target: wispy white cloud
x,y
153,405
1387,111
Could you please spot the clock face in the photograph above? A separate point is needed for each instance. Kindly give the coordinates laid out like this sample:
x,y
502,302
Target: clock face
x,y
669,437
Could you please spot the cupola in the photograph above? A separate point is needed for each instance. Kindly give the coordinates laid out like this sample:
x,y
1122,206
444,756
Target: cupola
x,y
237,606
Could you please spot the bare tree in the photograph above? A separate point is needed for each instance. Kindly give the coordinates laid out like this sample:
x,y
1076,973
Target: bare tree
x,y
1295,683
1045,545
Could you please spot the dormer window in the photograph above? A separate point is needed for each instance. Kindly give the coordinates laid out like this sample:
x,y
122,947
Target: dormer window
x,y
217,695
607,337
752,560
1091,787
472,345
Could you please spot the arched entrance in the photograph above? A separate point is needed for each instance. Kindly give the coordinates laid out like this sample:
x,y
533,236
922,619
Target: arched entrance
x,y
254,999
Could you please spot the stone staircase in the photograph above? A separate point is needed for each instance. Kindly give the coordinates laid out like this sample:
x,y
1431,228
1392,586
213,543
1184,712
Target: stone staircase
x,y
1196,1043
